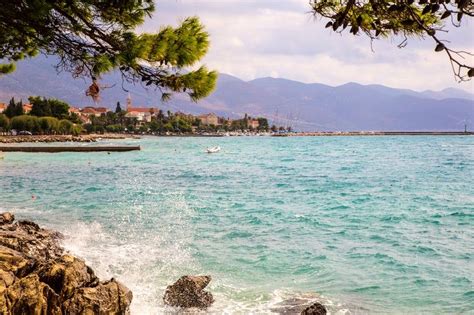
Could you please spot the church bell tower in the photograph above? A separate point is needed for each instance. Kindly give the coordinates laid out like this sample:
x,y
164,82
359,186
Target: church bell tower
x,y
129,102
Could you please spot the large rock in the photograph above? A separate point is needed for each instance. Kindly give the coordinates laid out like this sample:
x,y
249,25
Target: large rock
x,y
15,262
29,295
189,292
109,297
38,277
67,274
29,239
6,280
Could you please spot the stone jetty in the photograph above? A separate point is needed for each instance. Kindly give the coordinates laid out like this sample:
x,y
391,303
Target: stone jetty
x,y
58,149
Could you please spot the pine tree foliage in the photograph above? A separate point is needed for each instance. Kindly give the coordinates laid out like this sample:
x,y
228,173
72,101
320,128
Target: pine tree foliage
x,y
14,108
408,18
92,37
118,108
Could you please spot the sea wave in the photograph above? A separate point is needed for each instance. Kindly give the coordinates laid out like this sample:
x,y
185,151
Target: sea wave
x,y
271,219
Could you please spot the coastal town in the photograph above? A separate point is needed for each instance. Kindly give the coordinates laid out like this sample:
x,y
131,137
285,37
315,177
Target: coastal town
x,y
41,116
52,120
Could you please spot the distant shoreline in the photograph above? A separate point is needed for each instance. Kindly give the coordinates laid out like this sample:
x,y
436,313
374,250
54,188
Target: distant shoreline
x,y
121,136
375,133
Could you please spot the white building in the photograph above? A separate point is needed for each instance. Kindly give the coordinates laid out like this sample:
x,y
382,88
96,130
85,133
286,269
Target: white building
x,y
142,114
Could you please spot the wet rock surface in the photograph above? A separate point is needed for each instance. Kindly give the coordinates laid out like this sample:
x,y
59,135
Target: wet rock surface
x,y
299,305
314,309
188,292
38,277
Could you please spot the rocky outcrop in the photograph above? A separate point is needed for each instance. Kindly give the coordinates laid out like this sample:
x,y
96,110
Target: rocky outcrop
x,y
38,277
189,292
6,218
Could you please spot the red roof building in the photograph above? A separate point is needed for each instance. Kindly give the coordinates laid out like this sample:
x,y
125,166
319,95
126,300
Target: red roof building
x,y
209,119
27,108
74,110
142,114
96,111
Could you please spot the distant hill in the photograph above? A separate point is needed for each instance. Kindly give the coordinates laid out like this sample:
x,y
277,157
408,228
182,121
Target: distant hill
x,y
314,106
448,93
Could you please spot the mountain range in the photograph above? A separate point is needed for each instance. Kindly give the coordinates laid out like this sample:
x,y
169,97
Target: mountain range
x,y
315,106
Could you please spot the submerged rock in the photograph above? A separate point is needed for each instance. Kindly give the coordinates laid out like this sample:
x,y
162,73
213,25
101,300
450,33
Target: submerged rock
x,y
314,309
304,304
189,292
38,277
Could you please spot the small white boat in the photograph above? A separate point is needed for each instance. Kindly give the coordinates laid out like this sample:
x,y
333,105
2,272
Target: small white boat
x,y
213,149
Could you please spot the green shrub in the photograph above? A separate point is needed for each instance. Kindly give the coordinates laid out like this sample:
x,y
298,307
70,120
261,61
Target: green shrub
x,y
76,130
48,125
65,127
4,123
26,122
114,128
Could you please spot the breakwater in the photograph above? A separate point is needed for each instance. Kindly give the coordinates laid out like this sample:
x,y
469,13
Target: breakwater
x,y
56,149
64,138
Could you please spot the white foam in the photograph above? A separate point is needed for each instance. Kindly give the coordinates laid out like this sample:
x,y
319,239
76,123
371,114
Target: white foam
x,y
145,261
147,268
142,267
270,304
23,212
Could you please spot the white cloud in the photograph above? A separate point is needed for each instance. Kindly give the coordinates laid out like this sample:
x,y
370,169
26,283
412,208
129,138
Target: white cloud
x,y
255,38
236,42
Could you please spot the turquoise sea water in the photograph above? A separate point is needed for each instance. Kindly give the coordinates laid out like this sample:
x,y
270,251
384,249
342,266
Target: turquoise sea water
x,y
368,225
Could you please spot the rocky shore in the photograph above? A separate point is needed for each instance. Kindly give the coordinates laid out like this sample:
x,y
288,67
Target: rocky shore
x,y
62,138
37,276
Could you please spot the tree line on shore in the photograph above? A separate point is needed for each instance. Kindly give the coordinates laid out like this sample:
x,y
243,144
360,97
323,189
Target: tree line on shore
x,y
118,122
52,116
47,116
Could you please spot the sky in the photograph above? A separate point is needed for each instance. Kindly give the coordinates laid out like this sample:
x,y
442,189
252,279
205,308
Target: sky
x,y
281,38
